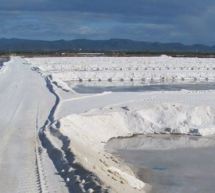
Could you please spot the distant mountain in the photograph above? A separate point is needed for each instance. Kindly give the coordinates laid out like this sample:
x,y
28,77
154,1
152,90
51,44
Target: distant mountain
x,y
83,45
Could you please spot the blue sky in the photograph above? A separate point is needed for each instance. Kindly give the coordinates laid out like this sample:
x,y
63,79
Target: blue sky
x,y
185,21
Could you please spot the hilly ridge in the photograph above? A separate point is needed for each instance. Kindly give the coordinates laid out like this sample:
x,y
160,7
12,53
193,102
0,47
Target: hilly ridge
x,y
124,45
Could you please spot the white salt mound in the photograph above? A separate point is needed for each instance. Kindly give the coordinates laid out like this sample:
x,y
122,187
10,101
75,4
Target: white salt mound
x,y
96,128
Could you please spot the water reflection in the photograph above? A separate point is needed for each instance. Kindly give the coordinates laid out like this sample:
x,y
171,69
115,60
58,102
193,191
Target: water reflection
x,y
159,142
172,164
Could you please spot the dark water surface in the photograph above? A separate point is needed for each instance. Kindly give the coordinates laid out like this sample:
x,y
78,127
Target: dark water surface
x,y
156,87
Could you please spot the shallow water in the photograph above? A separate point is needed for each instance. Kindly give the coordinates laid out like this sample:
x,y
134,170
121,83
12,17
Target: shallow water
x,y
156,87
187,167
171,164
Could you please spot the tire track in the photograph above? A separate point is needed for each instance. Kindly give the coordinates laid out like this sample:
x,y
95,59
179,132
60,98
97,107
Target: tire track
x,y
37,152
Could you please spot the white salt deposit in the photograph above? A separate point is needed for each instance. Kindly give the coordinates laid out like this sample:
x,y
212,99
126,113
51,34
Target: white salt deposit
x,y
146,69
181,112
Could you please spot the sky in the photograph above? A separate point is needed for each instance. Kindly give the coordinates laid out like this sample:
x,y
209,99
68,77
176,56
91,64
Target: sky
x,y
184,21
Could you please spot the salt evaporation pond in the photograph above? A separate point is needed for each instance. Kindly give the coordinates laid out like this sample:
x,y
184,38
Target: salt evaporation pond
x,y
157,87
171,164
